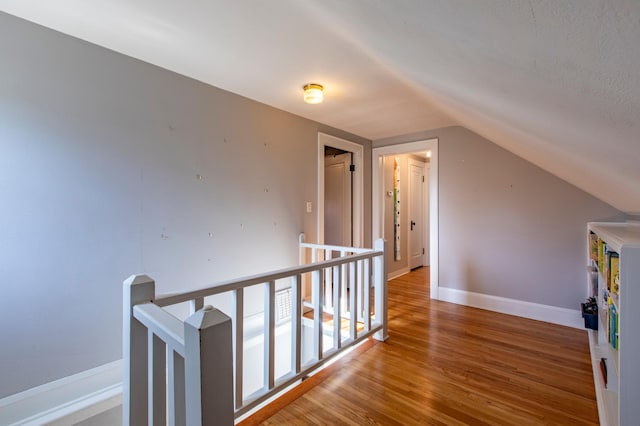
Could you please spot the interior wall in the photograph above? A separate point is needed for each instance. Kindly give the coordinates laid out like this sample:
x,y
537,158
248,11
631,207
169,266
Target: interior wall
x,y
506,227
110,166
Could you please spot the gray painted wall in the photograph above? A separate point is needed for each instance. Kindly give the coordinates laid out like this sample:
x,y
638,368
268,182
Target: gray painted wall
x,y
507,228
110,166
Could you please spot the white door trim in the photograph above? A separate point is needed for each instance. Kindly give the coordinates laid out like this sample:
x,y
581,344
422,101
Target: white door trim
x,y
378,197
358,192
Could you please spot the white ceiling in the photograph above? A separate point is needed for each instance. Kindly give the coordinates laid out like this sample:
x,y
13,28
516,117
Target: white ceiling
x,y
556,82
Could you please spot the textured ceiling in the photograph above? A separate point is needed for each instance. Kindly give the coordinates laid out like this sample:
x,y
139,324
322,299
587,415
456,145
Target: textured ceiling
x,y
556,82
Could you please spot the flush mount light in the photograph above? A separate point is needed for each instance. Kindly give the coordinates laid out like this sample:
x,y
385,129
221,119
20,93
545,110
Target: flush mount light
x,y
312,93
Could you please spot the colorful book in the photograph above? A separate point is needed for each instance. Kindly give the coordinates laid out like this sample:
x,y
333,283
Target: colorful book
x,y
614,272
608,322
593,246
602,247
613,319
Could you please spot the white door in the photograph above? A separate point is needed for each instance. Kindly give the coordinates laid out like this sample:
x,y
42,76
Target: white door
x,y
416,213
337,199
425,215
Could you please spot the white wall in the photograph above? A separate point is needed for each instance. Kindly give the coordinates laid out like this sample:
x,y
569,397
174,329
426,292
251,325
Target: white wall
x,y
506,227
110,166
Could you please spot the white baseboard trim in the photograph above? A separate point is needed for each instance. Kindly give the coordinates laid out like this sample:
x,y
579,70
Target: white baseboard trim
x,y
66,401
536,311
398,273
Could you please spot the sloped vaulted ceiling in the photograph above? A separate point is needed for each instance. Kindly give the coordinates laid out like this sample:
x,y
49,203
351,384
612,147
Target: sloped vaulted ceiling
x,y
556,82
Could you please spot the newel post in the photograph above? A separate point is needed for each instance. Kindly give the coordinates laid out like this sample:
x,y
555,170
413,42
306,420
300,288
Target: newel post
x,y
208,368
137,289
380,280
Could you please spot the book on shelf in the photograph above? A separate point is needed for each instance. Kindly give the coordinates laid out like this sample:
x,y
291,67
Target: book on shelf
x,y
603,370
608,302
613,326
614,272
602,249
593,246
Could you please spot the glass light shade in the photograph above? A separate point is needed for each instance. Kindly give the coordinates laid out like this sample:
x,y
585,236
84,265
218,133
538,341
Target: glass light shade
x,y
313,93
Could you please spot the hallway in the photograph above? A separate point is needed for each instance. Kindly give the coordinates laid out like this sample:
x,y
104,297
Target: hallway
x,y
450,364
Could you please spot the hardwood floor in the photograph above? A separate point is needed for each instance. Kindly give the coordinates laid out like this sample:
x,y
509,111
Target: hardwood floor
x,y
448,364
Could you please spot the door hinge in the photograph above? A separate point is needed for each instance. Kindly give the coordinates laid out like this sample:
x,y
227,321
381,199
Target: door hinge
x,y
352,168
422,178
423,251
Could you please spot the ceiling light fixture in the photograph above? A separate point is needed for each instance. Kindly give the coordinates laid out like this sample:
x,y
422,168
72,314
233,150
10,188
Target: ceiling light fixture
x,y
312,93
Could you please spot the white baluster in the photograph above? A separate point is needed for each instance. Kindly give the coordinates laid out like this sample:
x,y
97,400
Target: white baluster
x,y
269,334
344,275
238,342
157,380
329,280
296,323
337,338
177,409
367,295
317,278
196,304
353,299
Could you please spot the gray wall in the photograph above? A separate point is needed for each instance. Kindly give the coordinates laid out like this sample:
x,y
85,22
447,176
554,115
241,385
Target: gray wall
x,y
110,166
508,228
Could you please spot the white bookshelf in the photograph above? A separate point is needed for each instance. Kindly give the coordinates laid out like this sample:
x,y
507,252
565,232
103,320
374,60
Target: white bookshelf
x,y
619,400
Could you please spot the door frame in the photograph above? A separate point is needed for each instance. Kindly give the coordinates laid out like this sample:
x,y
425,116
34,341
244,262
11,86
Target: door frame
x,y
357,194
377,163
425,201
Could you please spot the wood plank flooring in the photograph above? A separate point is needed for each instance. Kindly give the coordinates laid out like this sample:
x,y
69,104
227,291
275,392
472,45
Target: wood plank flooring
x,y
447,364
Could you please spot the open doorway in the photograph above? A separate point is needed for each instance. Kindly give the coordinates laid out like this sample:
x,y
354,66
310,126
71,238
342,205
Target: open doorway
x,y
338,200
383,159
406,206
340,164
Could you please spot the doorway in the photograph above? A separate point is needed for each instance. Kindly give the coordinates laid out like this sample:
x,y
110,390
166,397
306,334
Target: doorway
x,y
346,167
338,203
379,194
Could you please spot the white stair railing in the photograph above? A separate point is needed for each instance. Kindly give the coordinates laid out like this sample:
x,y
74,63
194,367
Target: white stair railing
x,y
197,366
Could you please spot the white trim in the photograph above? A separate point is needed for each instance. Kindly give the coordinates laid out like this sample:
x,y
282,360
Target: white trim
x,y
536,311
68,400
398,273
358,189
377,168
